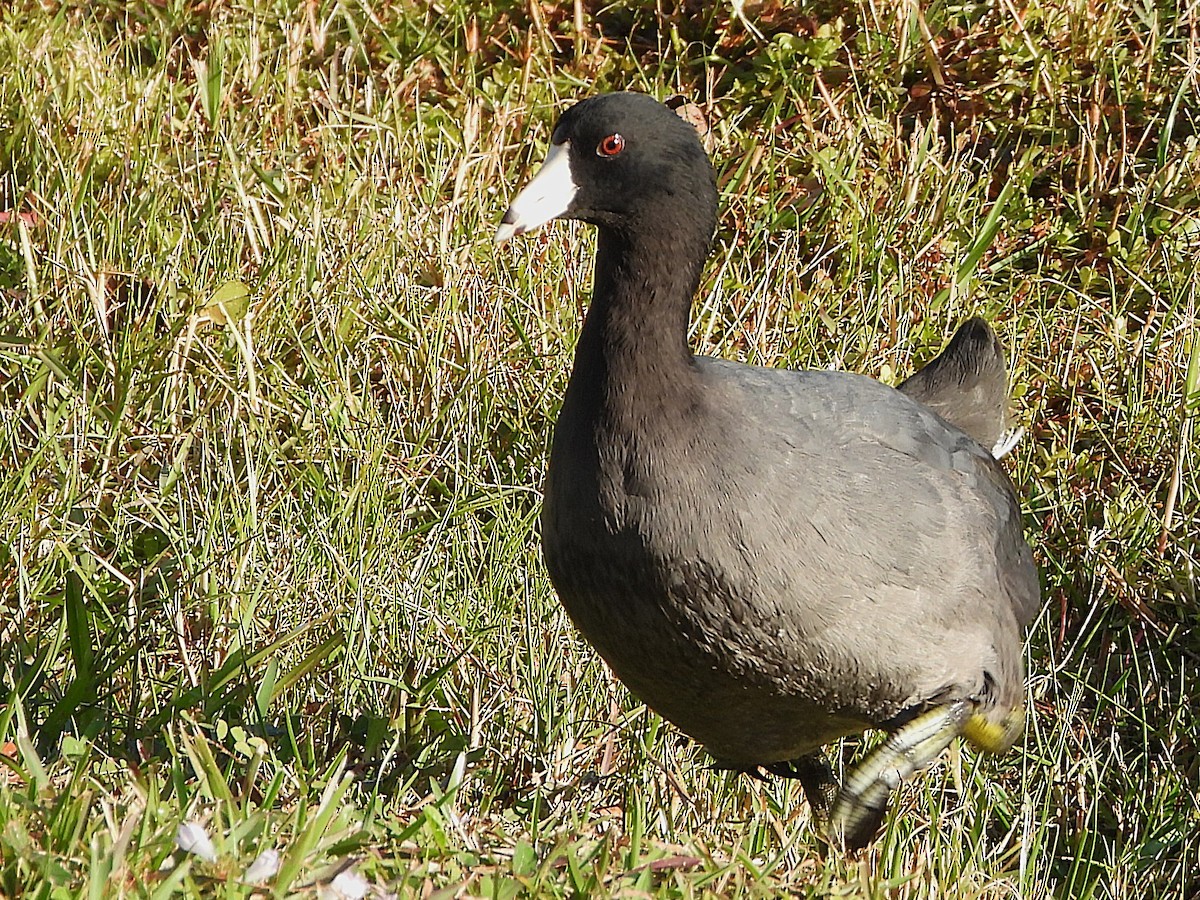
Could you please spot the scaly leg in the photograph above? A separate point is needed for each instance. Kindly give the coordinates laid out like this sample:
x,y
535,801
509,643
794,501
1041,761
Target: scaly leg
x,y
861,803
858,808
815,776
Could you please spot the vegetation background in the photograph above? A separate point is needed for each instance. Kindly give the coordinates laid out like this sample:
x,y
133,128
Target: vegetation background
x,y
275,416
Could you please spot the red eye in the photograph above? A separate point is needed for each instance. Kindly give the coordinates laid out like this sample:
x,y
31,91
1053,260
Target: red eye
x,y
611,146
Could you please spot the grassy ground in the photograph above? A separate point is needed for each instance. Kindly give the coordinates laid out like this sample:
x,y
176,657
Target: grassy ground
x,y
275,417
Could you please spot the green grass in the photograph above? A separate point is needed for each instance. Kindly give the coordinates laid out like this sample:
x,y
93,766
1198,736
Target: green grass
x,y
271,564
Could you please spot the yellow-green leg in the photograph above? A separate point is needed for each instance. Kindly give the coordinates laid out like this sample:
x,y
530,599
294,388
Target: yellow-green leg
x,y
862,801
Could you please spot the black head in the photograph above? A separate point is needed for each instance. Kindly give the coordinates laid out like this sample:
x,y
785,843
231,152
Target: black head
x,y
623,162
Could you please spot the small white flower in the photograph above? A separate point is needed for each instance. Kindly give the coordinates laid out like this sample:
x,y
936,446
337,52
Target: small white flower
x,y
346,885
263,868
191,837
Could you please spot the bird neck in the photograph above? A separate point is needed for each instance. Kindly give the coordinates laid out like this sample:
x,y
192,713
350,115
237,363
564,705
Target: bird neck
x,y
634,339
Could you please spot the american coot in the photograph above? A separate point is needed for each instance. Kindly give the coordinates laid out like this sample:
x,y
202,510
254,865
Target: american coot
x,y
770,559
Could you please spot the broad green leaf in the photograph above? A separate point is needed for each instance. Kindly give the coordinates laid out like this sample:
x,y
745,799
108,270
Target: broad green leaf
x,y
228,303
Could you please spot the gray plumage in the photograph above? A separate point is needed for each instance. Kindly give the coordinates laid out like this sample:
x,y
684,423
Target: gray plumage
x,y
967,384
770,559
776,562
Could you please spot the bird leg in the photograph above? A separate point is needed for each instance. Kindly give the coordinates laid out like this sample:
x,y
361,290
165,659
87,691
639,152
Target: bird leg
x,y
862,801
814,775
854,813
995,737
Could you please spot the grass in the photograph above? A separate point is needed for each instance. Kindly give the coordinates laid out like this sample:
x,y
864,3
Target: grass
x,y
275,417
